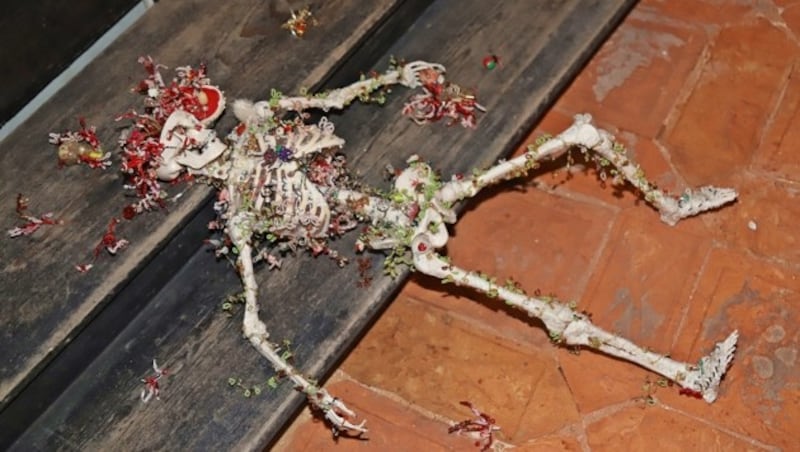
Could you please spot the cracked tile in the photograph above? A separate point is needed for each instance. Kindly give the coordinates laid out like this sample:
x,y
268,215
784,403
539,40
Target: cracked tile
x,y
643,59
716,131
434,360
642,284
642,428
760,299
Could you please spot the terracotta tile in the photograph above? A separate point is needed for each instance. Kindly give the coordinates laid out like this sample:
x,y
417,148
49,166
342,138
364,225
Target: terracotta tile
x,y
652,428
764,219
777,153
598,381
705,12
477,310
645,58
552,236
429,358
720,125
640,290
391,425
556,235
535,238
760,396
646,276
791,15
553,443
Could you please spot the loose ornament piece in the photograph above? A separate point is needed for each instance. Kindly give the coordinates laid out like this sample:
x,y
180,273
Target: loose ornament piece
x,y
152,387
300,21
490,62
110,242
81,147
150,147
32,223
188,102
483,426
83,268
285,187
442,99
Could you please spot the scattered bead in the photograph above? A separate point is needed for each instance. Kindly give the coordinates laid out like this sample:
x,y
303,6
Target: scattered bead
x,y
129,212
285,154
490,62
690,393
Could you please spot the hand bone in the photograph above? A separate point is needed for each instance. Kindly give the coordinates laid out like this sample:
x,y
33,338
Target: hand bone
x,y
410,75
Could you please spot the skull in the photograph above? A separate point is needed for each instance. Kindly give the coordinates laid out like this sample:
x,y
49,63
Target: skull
x,y
188,144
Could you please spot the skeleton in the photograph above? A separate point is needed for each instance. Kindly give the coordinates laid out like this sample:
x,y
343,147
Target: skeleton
x,y
282,183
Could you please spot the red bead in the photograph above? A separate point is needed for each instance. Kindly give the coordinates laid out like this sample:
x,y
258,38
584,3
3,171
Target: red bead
x,y
491,61
422,247
128,212
690,393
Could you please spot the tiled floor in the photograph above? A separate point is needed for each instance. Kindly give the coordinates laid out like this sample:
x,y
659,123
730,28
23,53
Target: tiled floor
x,y
703,91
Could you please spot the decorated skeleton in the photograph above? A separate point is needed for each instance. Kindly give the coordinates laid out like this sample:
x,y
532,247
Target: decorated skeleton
x,y
282,184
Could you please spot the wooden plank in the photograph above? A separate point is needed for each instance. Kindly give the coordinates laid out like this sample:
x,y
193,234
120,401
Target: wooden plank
x,y
310,302
46,302
42,38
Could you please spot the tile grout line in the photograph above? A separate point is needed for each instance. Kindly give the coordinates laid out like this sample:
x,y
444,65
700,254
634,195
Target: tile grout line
x,y
567,193
591,418
482,328
594,263
775,19
685,92
725,430
692,292
578,429
769,121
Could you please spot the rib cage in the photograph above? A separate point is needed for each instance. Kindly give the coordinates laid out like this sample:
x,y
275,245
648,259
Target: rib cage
x,y
287,171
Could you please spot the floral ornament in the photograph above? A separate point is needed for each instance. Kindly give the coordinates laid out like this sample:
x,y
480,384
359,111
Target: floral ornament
x,y
32,223
83,268
299,22
110,242
81,147
442,99
151,386
145,143
483,425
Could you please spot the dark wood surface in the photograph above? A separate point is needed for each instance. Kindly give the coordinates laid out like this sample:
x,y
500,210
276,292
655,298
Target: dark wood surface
x,y
42,37
46,303
167,294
